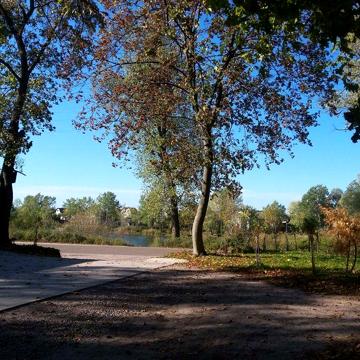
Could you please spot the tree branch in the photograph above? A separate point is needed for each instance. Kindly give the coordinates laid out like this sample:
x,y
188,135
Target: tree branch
x,y
9,67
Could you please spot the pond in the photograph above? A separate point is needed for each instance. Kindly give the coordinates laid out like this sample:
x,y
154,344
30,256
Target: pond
x,y
137,239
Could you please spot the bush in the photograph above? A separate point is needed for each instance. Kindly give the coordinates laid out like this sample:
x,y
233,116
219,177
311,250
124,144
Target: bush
x,y
60,236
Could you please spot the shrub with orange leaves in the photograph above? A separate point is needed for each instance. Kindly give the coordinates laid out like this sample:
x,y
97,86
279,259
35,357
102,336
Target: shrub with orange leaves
x,y
346,229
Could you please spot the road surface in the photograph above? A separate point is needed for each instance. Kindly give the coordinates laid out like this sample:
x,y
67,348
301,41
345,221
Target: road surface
x,y
26,278
102,251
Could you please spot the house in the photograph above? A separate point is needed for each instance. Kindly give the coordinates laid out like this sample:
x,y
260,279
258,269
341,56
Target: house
x,y
127,215
59,212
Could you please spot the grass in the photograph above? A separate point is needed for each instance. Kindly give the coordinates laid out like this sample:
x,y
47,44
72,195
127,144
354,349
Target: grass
x,y
292,260
289,269
87,241
56,236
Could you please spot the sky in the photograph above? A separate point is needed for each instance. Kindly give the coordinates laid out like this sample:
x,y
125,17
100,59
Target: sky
x,y
67,163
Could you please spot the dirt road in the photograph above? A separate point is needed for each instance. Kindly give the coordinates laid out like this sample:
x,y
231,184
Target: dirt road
x,y
174,313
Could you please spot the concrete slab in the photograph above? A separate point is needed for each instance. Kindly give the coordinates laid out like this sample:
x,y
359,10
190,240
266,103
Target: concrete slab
x,y
25,278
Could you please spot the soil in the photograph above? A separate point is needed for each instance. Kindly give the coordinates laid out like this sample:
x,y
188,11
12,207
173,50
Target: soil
x,y
179,313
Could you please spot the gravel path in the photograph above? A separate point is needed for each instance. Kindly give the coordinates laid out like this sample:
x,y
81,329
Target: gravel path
x,y
175,313
26,278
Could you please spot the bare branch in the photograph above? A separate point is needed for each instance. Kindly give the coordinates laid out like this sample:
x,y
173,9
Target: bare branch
x,y
9,67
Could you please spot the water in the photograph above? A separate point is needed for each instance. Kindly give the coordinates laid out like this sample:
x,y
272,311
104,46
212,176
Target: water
x,y
137,240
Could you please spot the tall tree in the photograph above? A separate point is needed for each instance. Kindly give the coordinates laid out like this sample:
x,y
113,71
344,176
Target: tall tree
x,y
351,197
40,41
274,214
336,21
108,209
304,216
74,206
347,99
153,207
346,228
223,214
249,92
312,201
334,197
35,213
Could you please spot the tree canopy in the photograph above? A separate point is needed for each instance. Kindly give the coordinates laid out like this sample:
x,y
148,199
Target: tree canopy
x,y
41,43
249,93
351,197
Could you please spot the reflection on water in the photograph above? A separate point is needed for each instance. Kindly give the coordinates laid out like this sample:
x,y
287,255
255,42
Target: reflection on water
x,y
146,240
137,240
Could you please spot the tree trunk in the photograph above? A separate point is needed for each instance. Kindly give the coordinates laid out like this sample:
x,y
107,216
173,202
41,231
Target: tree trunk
x,y
175,217
257,251
275,242
264,243
7,178
197,229
312,248
287,242
317,241
295,241
355,257
8,173
348,256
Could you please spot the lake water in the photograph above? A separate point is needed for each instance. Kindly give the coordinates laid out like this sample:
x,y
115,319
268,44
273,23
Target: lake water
x,y
137,240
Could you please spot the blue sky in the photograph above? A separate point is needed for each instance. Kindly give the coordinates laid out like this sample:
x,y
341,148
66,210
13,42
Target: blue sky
x,y
67,163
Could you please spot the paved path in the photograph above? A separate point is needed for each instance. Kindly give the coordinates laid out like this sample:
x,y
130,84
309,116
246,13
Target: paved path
x,y
25,278
101,251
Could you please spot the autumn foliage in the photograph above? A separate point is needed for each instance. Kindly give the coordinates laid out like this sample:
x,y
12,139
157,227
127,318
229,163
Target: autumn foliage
x,y
346,229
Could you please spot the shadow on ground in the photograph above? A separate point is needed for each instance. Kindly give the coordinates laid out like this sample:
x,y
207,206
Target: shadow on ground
x,y
173,314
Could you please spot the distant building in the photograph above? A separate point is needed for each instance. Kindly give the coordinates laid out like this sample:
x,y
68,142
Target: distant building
x,y
59,212
127,214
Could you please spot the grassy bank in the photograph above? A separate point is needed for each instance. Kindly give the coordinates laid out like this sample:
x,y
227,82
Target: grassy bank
x,y
56,236
290,269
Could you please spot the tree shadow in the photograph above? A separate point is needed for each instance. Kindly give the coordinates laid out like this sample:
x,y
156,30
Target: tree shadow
x,y
172,314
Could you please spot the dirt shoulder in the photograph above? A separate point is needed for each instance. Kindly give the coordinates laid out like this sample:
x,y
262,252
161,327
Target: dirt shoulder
x,y
176,313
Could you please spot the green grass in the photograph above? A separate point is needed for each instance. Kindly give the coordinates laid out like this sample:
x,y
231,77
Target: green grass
x,y
292,260
55,236
290,269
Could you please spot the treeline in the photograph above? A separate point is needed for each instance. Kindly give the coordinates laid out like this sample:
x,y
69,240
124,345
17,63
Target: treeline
x,y
322,221
79,220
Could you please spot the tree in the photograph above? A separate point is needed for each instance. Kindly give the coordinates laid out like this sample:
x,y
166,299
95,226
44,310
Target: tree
x,y
74,206
343,32
312,201
247,91
160,163
223,212
40,42
347,100
34,213
304,217
296,215
153,207
309,226
273,215
351,197
108,209
334,197
251,226
346,228
324,27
